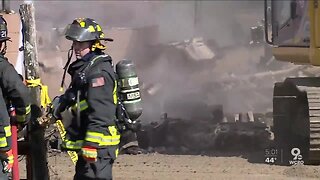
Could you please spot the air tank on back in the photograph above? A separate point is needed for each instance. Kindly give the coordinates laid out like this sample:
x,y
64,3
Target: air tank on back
x,y
129,92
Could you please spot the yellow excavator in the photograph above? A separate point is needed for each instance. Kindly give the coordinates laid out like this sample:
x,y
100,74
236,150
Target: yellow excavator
x,y
292,27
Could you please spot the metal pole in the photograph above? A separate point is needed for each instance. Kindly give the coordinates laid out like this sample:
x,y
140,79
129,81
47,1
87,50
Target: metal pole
x,y
14,137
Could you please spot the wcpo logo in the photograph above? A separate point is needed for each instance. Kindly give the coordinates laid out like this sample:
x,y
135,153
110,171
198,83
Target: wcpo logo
x,y
297,157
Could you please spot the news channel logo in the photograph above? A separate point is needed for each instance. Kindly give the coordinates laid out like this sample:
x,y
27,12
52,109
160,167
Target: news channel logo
x,y
297,157
276,156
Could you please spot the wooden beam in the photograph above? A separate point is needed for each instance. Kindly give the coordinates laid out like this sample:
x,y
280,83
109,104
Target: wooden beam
x,y
37,168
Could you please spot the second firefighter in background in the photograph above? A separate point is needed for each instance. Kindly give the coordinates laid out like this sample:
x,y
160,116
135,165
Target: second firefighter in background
x,y
13,91
92,98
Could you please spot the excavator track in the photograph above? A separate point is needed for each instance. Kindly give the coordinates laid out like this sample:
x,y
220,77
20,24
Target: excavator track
x,y
313,95
296,118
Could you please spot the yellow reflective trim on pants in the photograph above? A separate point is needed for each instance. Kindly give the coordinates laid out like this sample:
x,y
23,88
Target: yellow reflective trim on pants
x,y
73,145
94,137
3,142
83,106
7,131
115,96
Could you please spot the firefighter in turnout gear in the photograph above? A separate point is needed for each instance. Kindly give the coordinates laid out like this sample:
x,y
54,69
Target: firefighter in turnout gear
x,y
92,99
13,91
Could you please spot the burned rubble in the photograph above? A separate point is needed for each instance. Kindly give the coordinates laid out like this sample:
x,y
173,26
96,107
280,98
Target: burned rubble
x,y
179,136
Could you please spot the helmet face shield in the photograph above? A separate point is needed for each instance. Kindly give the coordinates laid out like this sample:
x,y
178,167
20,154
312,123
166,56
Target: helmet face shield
x,y
76,33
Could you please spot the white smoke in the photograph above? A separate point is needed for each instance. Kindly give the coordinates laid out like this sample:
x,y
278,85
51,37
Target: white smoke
x,y
227,23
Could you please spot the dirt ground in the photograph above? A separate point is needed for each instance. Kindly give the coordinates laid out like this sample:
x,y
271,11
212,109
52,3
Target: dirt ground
x,y
159,166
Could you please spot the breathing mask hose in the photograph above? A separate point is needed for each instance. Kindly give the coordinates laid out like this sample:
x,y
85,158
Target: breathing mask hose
x,y
65,68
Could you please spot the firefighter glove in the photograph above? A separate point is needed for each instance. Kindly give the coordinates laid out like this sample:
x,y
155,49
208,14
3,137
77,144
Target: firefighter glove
x,y
89,154
7,162
59,104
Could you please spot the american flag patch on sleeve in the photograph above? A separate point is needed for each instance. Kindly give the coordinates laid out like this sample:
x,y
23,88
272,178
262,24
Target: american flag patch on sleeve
x,y
97,82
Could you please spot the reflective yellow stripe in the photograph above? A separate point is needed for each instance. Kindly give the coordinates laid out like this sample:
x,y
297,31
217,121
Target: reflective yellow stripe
x,y
73,145
117,152
94,137
89,153
113,130
110,140
62,131
114,139
83,106
73,155
3,142
28,109
115,96
7,131
104,140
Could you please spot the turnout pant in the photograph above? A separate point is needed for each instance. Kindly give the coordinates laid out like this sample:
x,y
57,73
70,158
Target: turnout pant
x,y
99,170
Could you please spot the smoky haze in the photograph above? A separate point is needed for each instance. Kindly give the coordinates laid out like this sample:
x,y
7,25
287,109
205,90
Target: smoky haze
x,y
183,86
